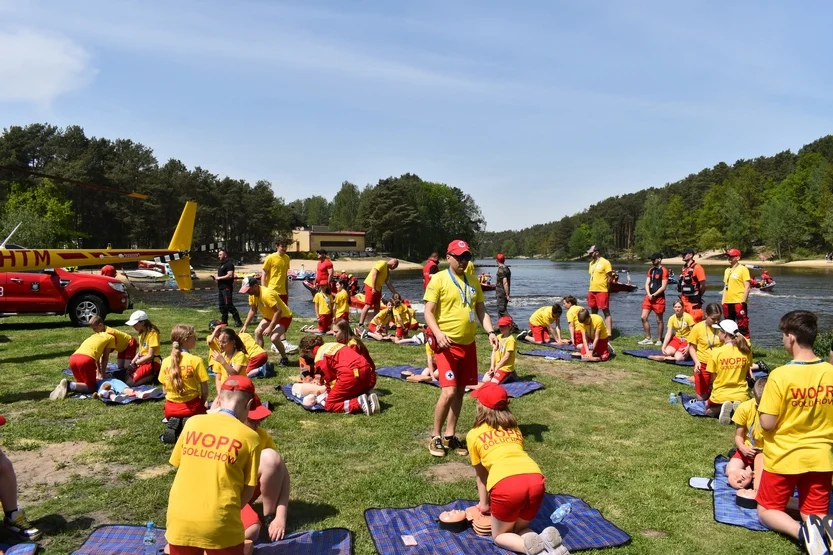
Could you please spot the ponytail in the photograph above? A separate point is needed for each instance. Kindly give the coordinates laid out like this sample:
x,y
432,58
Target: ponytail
x,y
742,344
179,335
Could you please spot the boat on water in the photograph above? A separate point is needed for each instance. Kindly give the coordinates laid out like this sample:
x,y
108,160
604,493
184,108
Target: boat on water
x,y
617,287
300,275
764,287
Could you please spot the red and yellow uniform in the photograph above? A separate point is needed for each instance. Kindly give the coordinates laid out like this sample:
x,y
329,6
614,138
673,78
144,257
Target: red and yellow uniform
x,y
746,416
275,273
539,323
193,373
148,342
257,356
347,375
691,276
705,341
324,309
380,322
402,319
361,350
126,344
730,367
515,482
799,450
268,302
505,373
598,294
572,318
601,348
342,305
373,289
216,456
237,359
84,361
682,328
734,291
469,271
455,298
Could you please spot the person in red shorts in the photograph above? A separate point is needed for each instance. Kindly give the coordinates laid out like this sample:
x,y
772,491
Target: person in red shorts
x,y
324,271
379,275
796,415
510,484
322,302
453,305
598,296
144,368
185,380
594,335
692,285
88,364
126,344
572,307
655,285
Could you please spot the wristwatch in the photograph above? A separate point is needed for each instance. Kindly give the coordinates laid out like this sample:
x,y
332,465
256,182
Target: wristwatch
x,y
492,332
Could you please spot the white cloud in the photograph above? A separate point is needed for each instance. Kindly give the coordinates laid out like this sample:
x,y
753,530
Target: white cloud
x,y
38,67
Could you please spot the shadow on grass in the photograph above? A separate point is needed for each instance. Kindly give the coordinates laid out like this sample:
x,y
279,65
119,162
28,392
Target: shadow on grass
x,y
55,324
534,430
381,392
304,513
33,358
24,396
54,524
5,339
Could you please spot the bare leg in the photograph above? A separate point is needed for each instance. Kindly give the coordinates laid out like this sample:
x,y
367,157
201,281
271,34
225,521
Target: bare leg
x,y
81,387
259,332
276,341
441,410
274,491
508,534
8,483
645,325
779,521
453,414
608,320
660,326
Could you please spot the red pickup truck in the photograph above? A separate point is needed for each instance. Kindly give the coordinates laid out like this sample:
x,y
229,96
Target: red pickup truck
x,y
58,292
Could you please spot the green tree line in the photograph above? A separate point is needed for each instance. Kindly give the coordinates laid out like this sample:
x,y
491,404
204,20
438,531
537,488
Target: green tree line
x,y
405,216
782,203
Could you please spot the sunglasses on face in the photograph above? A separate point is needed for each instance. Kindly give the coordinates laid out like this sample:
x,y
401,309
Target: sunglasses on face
x,y
465,257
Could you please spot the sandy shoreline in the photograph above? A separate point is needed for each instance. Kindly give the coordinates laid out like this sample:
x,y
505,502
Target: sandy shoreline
x,y
678,261
360,267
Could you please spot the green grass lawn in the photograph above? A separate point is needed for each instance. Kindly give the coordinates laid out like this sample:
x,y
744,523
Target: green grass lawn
x,y
602,432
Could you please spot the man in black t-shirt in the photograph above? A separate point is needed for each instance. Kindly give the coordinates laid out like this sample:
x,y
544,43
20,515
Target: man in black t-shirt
x,y
504,279
225,289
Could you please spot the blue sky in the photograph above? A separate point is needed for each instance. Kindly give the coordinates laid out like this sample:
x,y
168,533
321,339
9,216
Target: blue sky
x,y
537,109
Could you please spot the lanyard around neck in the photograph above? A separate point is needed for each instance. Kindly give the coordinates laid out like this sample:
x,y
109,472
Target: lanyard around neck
x,y
464,294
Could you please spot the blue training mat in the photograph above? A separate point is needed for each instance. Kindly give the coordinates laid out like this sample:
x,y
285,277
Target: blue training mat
x,y
726,510
550,354
19,549
287,392
552,345
682,378
116,539
692,405
119,386
583,528
645,353
513,389
332,541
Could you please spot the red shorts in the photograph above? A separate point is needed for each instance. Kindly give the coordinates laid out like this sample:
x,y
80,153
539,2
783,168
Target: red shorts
x,y
372,299
285,322
747,461
517,497
129,352
703,381
598,299
148,369
696,311
656,305
503,377
813,491
457,365
285,299
600,349
540,333
249,516
188,550
577,338
184,410
372,328
257,361
679,344
325,322
84,369
401,333
415,325
344,316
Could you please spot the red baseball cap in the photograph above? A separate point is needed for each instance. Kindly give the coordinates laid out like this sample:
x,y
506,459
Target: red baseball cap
x,y
258,411
505,321
458,247
500,258
492,395
2,420
238,383
248,283
733,252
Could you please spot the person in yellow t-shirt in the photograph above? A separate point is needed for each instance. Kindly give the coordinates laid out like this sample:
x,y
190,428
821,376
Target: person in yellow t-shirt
x,y
736,285
217,458
502,363
702,340
126,344
400,316
453,306
796,415
379,275
572,307
598,296
730,365
277,317
594,333
185,380
342,302
744,468
275,274
144,368
540,326
227,355
272,480
509,483
88,365
378,328
322,302
678,329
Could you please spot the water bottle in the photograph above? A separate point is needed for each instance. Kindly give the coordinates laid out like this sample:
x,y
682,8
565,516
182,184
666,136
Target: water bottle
x,y
149,540
561,513
672,398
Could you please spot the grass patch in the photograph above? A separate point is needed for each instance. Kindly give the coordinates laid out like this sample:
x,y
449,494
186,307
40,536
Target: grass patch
x,y
603,432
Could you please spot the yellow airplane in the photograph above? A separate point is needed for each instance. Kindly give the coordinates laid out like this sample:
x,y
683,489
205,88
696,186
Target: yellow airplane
x,y
177,254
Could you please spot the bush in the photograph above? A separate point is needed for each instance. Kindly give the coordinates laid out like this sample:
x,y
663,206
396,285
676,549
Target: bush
x,y
823,344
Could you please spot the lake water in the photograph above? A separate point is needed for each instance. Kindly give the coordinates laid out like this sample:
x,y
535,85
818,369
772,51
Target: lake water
x,y
536,283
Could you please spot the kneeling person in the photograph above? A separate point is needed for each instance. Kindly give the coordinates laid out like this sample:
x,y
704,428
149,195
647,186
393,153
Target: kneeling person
x,y
88,364
592,327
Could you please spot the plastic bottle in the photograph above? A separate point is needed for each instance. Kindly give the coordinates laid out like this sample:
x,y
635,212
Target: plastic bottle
x,y
672,398
561,513
149,540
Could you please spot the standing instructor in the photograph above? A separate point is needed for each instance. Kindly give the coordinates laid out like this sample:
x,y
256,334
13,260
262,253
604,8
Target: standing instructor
x,y
504,280
225,293
598,297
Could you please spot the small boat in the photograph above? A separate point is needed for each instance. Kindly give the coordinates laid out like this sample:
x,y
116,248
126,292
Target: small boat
x,y
144,274
768,287
616,287
487,286
300,275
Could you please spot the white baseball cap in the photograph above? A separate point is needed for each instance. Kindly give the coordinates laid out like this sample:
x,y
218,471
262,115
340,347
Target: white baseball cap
x,y
136,317
729,326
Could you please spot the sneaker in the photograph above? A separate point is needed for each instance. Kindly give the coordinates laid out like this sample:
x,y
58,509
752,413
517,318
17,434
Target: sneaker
x,y
275,349
420,338
551,538
533,544
458,446
735,405
436,447
810,535
289,347
522,335
646,341
725,416
283,362
763,367
375,407
364,334
269,370
658,343
169,435
60,392
364,403
17,523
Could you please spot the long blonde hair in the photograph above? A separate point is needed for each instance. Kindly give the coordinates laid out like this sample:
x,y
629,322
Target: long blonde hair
x,y
741,343
344,334
494,418
179,335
